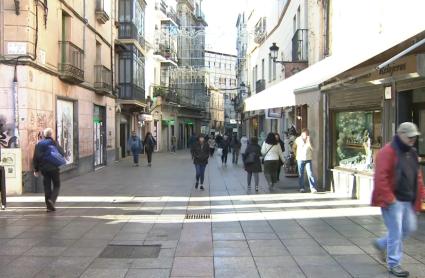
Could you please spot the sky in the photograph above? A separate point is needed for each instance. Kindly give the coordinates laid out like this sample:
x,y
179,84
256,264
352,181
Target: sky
x,y
221,16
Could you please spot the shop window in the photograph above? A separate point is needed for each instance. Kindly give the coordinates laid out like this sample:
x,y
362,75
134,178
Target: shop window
x,y
358,138
65,125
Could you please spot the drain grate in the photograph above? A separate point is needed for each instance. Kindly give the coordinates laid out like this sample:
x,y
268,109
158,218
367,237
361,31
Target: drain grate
x,y
114,251
198,216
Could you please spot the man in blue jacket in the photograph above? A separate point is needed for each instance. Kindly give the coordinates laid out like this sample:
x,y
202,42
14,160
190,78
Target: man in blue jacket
x,y
135,145
49,170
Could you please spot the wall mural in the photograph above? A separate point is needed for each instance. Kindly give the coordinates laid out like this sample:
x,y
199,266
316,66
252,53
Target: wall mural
x,y
65,128
7,139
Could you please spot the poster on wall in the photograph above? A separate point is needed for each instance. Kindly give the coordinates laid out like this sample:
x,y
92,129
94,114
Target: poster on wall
x,y
274,113
65,128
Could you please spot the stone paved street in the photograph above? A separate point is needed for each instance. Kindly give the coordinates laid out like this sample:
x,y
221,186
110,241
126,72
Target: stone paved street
x,y
283,234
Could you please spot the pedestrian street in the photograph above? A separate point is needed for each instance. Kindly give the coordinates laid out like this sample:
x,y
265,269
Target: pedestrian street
x,y
124,221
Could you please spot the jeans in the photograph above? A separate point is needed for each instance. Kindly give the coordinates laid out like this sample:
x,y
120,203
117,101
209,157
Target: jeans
x,y
256,179
136,157
149,155
50,177
270,171
200,172
306,164
224,157
235,156
401,221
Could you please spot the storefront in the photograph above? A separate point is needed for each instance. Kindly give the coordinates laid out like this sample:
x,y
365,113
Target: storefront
x,y
362,115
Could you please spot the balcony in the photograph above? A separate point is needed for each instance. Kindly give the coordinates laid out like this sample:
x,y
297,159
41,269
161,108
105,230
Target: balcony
x,y
162,6
102,81
300,46
260,85
101,14
71,65
167,52
129,91
129,31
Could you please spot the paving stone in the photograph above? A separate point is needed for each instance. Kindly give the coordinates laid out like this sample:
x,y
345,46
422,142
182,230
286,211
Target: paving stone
x,y
236,273
194,249
104,273
230,244
231,252
228,236
273,272
343,250
193,266
148,273
233,262
275,262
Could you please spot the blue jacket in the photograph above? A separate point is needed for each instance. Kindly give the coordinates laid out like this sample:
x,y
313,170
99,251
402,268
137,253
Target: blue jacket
x,y
135,144
39,163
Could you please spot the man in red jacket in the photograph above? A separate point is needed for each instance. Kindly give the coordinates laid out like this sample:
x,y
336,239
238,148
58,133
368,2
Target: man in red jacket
x,y
399,191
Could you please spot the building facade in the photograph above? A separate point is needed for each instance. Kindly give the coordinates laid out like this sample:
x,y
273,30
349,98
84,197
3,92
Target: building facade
x,y
57,71
297,32
222,77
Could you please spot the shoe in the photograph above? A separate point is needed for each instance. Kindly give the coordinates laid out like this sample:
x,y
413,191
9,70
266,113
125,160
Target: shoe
x,y
382,253
399,272
50,206
313,190
196,185
256,189
202,187
302,190
3,207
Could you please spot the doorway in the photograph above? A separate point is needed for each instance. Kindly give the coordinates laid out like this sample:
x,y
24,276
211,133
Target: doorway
x,y
99,136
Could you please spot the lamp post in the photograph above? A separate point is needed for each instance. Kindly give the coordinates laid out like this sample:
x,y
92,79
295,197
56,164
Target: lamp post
x,y
274,52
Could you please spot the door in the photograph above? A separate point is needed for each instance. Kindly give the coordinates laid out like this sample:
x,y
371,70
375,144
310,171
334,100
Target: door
x,y
123,140
99,136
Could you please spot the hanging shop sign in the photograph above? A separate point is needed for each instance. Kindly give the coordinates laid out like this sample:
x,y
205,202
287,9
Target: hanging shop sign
x,y
274,113
145,117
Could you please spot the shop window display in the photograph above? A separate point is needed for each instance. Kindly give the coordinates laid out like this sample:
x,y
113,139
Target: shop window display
x,y
358,138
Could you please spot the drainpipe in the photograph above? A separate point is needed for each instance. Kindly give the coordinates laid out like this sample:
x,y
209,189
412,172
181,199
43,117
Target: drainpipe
x,y
16,106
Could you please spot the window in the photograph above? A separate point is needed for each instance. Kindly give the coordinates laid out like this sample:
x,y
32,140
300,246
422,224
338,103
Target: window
x,y
298,18
98,53
125,10
358,138
270,68
294,24
65,128
262,69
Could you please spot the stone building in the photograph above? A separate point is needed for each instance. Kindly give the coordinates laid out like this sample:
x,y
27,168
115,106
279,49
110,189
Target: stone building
x,y
56,71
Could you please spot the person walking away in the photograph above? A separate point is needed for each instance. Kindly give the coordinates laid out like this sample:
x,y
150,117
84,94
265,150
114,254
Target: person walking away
x,y
304,153
48,157
244,144
225,145
211,144
271,152
236,148
252,162
149,144
399,191
281,162
173,143
135,145
200,154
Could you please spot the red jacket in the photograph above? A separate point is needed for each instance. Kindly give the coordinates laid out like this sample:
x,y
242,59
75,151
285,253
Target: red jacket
x,y
384,179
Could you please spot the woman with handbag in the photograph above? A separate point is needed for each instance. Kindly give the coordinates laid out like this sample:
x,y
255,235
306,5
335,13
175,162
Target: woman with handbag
x,y
252,162
271,152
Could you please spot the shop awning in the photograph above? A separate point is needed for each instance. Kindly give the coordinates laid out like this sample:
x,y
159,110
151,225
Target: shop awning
x,y
282,93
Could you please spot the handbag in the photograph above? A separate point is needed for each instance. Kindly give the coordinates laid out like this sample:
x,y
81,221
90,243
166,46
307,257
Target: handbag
x,y
262,160
220,151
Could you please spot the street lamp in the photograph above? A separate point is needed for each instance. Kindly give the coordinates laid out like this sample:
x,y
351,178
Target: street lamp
x,y
274,52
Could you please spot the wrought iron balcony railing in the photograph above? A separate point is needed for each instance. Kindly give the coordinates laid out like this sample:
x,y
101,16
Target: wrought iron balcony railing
x,y
101,14
128,30
71,62
300,46
102,79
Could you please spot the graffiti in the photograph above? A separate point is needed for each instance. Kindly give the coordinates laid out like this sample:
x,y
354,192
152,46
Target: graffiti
x,y
7,139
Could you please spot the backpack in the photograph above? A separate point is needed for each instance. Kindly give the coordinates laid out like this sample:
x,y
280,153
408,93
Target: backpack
x,y
251,158
53,156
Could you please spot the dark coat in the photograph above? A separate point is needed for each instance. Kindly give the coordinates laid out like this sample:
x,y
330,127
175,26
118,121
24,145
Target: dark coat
x,y
39,163
149,144
225,145
256,166
200,153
